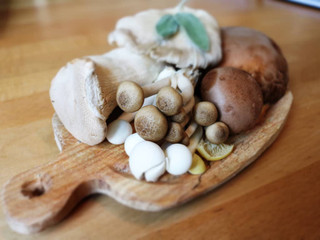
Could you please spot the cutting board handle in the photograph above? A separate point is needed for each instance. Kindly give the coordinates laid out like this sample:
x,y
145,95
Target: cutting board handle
x,y
44,195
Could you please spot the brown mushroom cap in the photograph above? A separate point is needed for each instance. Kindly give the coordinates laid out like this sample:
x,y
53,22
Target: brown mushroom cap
x,y
236,95
255,53
175,133
150,123
169,101
130,96
217,133
205,113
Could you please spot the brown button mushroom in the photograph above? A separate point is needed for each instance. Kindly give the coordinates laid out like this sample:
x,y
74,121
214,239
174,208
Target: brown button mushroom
x,y
150,123
236,95
205,113
175,133
129,102
169,101
217,133
255,53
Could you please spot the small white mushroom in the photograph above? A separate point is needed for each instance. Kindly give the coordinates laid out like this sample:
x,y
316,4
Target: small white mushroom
x,y
131,142
118,131
147,160
179,157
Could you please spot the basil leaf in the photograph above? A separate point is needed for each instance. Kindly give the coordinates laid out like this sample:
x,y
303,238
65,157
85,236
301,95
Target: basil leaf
x,y
195,29
167,26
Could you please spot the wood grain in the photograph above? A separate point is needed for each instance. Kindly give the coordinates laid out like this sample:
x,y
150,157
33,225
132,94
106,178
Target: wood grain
x,y
277,197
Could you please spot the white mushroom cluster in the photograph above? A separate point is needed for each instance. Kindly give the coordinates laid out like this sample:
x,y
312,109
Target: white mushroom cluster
x,y
148,161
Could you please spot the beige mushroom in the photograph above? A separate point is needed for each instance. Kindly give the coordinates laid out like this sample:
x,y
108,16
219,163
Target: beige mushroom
x,y
169,101
217,133
176,131
138,32
205,113
151,124
83,93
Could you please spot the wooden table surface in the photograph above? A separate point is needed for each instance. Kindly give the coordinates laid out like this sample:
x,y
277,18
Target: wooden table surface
x,y
277,197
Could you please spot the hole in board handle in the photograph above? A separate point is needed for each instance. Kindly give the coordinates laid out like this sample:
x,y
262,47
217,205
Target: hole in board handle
x,y
36,187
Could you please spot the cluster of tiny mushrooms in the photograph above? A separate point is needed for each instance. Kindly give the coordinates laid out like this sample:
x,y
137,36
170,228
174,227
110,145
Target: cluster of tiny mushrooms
x,y
161,111
153,83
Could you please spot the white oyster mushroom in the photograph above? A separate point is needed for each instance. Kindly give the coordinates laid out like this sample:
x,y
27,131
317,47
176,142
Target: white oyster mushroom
x,y
138,32
178,159
147,160
118,131
83,92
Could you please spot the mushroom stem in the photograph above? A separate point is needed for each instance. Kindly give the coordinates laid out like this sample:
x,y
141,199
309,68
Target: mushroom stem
x,y
180,117
195,139
155,87
188,133
129,116
191,129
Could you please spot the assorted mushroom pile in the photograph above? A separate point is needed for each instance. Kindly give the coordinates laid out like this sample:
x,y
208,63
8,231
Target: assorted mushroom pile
x,y
152,78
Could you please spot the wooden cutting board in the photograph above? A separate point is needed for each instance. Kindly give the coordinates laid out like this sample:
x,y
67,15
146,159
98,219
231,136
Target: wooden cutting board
x,y
43,196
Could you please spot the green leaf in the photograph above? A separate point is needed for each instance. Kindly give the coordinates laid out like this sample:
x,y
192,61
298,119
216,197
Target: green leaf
x,y
167,26
195,29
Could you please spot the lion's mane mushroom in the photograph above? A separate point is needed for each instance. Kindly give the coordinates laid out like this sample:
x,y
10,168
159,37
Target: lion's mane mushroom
x,y
138,32
236,95
83,93
255,53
